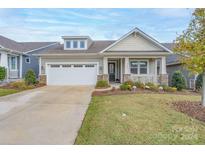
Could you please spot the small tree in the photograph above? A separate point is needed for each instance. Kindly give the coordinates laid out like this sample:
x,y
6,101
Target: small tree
x,y
199,81
191,44
30,77
178,80
2,73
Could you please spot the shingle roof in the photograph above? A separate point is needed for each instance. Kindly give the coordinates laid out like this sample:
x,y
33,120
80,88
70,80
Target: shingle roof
x,y
173,58
22,46
95,47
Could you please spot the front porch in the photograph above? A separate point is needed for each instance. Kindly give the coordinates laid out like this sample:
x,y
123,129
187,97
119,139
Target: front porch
x,y
143,69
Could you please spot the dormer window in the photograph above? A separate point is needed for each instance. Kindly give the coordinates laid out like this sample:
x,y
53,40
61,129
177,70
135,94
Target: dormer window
x,y
68,44
82,44
75,44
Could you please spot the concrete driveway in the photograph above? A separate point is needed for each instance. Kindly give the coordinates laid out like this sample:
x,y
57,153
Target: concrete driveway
x,y
47,115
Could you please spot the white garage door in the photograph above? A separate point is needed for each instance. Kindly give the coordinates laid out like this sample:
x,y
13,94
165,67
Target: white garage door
x,y
71,74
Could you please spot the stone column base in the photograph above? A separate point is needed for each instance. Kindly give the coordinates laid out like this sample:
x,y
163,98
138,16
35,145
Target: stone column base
x,y
126,77
103,77
163,79
42,79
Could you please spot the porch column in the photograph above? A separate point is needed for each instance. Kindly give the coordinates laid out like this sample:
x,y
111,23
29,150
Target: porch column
x,y
163,72
20,66
127,75
127,65
155,71
163,66
104,75
105,65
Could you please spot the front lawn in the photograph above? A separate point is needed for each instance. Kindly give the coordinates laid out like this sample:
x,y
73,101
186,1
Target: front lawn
x,y
4,91
139,119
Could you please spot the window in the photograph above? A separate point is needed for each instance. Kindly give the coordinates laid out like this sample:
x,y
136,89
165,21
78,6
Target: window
x,y
27,59
75,44
82,44
89,65
143,67
134,67
66,65
68,44
55,66
13,63
138,67
78,65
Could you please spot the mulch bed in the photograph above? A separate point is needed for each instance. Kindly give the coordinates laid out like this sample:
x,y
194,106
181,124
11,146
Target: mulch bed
x,y
139,91
7,86
193,109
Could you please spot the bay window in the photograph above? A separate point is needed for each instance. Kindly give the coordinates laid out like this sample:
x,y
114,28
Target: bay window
x,y
139,67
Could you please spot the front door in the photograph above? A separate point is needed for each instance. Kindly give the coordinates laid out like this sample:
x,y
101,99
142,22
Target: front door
x,y
111,71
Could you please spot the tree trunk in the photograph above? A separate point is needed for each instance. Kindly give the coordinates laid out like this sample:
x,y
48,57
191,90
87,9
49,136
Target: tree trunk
x,y
203,89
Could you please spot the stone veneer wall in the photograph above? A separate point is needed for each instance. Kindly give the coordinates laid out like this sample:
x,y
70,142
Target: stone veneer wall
x,y
163,79
103,77
126,77
42,79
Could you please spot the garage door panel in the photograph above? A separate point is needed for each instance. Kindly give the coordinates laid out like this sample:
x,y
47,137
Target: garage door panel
x,y
72,75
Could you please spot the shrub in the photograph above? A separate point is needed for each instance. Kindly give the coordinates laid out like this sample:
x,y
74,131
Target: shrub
x,y
140,85
129,82
2,73
178,81
152,86
30,77
21,85
102,84
125,86
199,82
169,89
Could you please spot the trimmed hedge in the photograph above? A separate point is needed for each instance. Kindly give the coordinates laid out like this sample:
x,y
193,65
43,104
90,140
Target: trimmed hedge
x,y
2,73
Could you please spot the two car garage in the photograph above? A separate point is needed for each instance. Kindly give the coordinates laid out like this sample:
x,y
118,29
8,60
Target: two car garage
x,y
71,73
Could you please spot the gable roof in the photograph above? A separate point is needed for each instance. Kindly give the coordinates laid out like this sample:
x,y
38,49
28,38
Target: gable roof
x,y
137,30
22,47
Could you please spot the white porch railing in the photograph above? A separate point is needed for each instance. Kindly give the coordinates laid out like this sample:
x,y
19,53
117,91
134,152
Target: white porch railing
x,y
144,78
13,74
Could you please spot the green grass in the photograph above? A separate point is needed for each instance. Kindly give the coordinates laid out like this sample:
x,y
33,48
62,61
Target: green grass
x,y
149,120
4,92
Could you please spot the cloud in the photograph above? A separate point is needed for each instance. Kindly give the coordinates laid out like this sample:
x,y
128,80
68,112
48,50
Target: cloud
x,y
179,13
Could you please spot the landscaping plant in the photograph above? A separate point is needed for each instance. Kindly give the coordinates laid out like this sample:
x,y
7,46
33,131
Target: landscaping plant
x,y
2,73
102,84
30,77
178,80
199,82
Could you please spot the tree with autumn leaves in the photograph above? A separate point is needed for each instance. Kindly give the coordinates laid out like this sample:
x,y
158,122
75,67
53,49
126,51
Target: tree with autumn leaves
x,y
191,45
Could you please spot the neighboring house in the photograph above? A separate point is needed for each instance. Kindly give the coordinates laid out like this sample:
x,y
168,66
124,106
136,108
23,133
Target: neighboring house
x,y
83,61
174,64
17,57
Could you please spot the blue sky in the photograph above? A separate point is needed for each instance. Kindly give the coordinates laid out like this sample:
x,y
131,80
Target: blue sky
x,y
100,24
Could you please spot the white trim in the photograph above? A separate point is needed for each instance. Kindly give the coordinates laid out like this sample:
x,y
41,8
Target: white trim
x,y
40,48
21,65
138,71
50,63
137,30
39,66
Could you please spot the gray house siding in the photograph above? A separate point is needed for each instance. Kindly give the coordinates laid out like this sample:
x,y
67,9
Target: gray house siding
x,y
178,67
32,65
